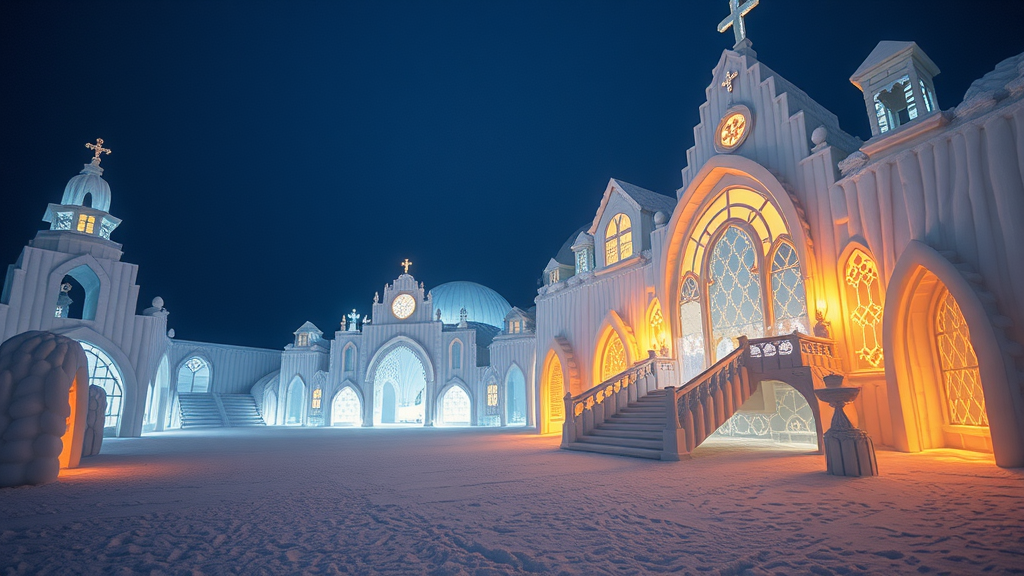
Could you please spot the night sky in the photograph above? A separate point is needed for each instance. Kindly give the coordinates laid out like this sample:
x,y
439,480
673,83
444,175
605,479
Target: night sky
x,y
274,162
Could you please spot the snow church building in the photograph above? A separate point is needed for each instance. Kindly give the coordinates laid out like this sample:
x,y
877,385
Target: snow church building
x,y
791,251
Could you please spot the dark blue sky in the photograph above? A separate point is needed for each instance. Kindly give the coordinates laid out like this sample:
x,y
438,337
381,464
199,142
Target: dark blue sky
x,y
274,162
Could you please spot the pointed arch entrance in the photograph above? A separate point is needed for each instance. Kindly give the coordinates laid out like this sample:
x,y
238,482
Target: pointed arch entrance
x,y
515,397
346,408
399,387
105,373
294,402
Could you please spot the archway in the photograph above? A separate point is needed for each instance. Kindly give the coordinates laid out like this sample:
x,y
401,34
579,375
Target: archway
x,y
552,393
346,409
294,402
194,376
104,372
456,407
399,387
515,397
775,413
270,408
157,394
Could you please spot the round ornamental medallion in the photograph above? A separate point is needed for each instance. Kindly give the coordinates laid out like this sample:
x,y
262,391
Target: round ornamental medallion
x,y
733,130
403,306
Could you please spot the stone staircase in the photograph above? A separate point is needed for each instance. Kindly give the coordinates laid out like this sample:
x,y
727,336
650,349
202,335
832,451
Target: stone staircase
x,y
199,410
636,430
630,415
241,410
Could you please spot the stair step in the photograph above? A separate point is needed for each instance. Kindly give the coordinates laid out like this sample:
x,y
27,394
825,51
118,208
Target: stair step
x,y
616,450
614,441
633,427
639,434
637,419
653,409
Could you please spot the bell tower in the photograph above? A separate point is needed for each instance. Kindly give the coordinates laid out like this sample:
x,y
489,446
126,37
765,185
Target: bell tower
x,y
896,79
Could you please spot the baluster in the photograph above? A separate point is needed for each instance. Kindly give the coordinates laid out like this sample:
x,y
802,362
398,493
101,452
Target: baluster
x,y
736,383
728,394
718,397
687,422
709,410
699,423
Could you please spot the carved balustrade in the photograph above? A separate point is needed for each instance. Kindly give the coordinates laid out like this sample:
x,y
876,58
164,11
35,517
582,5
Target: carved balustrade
x,y
591,408
792,351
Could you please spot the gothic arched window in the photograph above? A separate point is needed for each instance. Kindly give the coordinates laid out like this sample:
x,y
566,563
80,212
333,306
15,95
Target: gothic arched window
x,y
789,301
734,291
618,239
864,302
613,357
456,354
961,379
348,362
194,376
691,325
554,390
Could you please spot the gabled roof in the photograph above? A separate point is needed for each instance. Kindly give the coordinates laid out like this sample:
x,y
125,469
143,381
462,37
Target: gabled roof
x,y
517,312
308,328
887,50
641,198
555,264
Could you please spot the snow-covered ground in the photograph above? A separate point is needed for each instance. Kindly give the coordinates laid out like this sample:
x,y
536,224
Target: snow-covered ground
x,y
480,502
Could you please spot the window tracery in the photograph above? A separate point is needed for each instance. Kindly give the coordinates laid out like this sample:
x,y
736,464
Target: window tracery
x,y
864,300
103,372
789,301
556,390
692,329
734,291
613,360
961,379
618,244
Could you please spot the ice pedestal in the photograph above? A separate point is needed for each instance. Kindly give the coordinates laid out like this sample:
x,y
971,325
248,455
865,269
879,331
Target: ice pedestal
x,y
848,450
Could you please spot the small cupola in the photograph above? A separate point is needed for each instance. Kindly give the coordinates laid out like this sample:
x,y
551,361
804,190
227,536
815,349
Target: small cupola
x,y
88,186
896,79
583,248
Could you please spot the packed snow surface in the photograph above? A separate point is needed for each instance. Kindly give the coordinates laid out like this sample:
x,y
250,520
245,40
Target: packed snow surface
x,y
481,502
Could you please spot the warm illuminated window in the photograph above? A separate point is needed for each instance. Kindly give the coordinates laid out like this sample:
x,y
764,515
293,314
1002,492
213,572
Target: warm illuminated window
x,y
302,340
789,302
692,328
613,359
456,355
555,390
961,380
318,395
734,291
618,239
864,301
658,332
554,276
492,395
86,223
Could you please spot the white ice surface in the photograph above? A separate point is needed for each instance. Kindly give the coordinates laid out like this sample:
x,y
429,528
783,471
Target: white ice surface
x,y
464,501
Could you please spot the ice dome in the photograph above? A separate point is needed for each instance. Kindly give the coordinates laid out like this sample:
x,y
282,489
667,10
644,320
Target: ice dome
x,y
88,184
481,303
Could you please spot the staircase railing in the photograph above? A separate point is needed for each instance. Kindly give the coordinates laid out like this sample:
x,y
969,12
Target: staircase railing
x,y
591,408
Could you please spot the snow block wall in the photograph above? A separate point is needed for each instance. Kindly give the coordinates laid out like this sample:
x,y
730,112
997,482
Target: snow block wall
x,y
43,403
94,421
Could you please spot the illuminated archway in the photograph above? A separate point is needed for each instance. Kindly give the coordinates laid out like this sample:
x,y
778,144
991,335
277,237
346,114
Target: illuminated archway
x,y
403,371
552,393
611,356
294,402
862,285
659,335
346,409
456,406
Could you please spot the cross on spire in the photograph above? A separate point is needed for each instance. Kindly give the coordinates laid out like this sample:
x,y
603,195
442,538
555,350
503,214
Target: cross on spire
x,y
729,77
406,265
735,18
97,149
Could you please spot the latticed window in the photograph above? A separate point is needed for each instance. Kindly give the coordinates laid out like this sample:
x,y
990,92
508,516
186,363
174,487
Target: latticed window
x,y
582,260
613,361
618,239
492,399
86,223
961,380
734,291
318,396
692,346
789,301
657,328
105,374
864,299
556,389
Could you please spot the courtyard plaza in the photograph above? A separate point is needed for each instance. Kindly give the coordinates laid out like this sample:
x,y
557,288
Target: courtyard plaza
x,y
463,501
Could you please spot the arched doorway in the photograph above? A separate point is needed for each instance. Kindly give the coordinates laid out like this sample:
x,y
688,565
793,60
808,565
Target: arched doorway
x,y
515,397
456,408
194,376
294,401
776,412
270,408
104,372
155,396
399,386
346,408
552,393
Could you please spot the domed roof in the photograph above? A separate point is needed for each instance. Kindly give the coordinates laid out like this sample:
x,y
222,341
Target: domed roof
x,y
481,303
88,183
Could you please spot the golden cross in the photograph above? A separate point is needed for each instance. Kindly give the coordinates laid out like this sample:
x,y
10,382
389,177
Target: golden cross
x,y
729,77
98,149
406,265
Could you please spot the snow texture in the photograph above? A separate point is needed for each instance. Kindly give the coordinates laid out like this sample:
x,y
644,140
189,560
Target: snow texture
x,y
95,421
37,370
482,502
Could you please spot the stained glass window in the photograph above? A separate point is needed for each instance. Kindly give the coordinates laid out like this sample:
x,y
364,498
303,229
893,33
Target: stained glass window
x,y
345,409
734,294
618,242
788,298
455,407
864,300
613,360
105,374
961,380
692,345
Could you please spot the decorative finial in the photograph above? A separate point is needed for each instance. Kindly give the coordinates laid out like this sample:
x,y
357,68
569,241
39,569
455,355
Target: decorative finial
x,y
97,149
406,265
353,319
729,77
735,19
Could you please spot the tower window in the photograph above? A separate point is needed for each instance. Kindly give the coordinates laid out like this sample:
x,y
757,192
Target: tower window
x,y
86,223
618,239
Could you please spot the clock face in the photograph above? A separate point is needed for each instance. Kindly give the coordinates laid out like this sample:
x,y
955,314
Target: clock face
x,y
403,306
732,130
